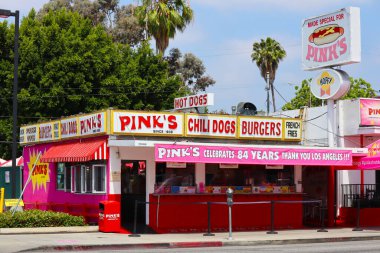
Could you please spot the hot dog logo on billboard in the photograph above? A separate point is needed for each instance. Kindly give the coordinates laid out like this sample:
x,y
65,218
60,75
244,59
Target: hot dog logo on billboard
x,y
328,34
332,39
40,175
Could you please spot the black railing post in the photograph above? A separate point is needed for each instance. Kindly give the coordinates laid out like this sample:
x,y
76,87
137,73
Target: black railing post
x,y
208,220
134,233
357,228
272,219
322,212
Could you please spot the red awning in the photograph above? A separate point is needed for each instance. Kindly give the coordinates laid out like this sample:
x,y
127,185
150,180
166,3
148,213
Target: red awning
x,y
77,152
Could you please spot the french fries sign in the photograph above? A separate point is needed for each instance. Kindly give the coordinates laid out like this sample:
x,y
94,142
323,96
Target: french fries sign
x,y
332,39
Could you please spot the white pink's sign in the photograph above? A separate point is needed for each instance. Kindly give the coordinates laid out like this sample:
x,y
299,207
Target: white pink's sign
x,y
148,123
92,123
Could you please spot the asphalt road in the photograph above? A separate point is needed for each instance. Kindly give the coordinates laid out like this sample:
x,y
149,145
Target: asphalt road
x,y
344,247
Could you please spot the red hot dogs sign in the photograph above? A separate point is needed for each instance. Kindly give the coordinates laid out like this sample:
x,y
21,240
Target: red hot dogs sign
x,y
200,100
332,39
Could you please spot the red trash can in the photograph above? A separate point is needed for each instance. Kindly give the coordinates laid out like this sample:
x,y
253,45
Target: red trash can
x,y
109,216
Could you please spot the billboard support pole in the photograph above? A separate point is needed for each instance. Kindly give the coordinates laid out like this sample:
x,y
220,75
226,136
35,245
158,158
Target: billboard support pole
x,y
330,122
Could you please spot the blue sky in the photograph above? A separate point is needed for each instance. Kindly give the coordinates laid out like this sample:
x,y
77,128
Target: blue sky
x,y
223,32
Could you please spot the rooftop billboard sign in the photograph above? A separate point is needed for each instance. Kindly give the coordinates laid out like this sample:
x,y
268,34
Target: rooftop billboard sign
x,y
332,39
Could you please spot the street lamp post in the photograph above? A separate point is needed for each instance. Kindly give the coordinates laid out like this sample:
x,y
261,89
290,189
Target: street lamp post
x,y
16,14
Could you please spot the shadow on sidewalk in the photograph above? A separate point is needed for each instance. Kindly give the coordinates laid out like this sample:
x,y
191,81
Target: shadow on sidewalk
x,y
140,228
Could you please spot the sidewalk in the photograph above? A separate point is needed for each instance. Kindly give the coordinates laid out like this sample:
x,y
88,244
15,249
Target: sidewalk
x,y
82,238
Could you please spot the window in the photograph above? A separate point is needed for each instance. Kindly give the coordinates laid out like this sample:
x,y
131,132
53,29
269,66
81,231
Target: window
x,y
60,176
99,178
76,173
63,177
175,176
249,175
67,179
88,178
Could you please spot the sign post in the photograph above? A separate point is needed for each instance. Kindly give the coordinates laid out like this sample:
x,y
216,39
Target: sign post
x,y
1,200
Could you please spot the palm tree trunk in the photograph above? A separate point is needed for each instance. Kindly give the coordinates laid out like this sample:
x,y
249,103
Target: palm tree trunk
x,y
273,99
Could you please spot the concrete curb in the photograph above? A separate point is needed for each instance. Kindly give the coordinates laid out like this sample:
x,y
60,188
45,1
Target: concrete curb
x,y
300,241
49,230
196,244
126,246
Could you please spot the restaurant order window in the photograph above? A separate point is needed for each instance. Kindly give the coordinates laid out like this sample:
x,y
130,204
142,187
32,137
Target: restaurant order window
x,y
81,178
175,178
249,178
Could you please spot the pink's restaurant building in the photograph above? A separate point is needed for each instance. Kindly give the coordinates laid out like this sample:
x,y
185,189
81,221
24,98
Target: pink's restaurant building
x,y
173,164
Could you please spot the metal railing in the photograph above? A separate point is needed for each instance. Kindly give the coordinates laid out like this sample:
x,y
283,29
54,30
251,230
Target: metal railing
x,y
273,203
367,194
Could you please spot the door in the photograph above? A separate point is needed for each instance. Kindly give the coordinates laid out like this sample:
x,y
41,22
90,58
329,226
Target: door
x,y
315,187
133,188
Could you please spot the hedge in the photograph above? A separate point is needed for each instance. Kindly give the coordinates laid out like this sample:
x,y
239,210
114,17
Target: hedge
x,y
38,218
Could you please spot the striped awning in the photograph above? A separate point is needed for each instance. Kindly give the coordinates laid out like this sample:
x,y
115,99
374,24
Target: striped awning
x,y
77,152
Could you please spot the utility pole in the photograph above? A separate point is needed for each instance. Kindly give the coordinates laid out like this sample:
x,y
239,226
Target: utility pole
x,y
16,14
267,88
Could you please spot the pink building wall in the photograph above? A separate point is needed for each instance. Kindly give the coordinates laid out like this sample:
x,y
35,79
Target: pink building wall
x,y
41,188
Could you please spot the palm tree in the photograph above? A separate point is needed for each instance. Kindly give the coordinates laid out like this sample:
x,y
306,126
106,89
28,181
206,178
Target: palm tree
x,y
163,18
267,54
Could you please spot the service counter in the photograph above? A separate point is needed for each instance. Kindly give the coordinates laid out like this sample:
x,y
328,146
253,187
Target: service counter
x,y
173,213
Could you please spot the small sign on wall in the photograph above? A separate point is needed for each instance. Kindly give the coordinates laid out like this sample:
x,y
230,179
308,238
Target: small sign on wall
x,y
274,167
228,166
115,176
175,165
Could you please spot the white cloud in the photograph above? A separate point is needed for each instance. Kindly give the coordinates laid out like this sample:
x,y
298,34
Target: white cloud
x,y
290,5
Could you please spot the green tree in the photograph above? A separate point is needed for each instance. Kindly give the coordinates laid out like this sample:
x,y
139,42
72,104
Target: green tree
x,y
6,87
267,54
191,70
64,63
68,66
118,21
359,89
163,18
